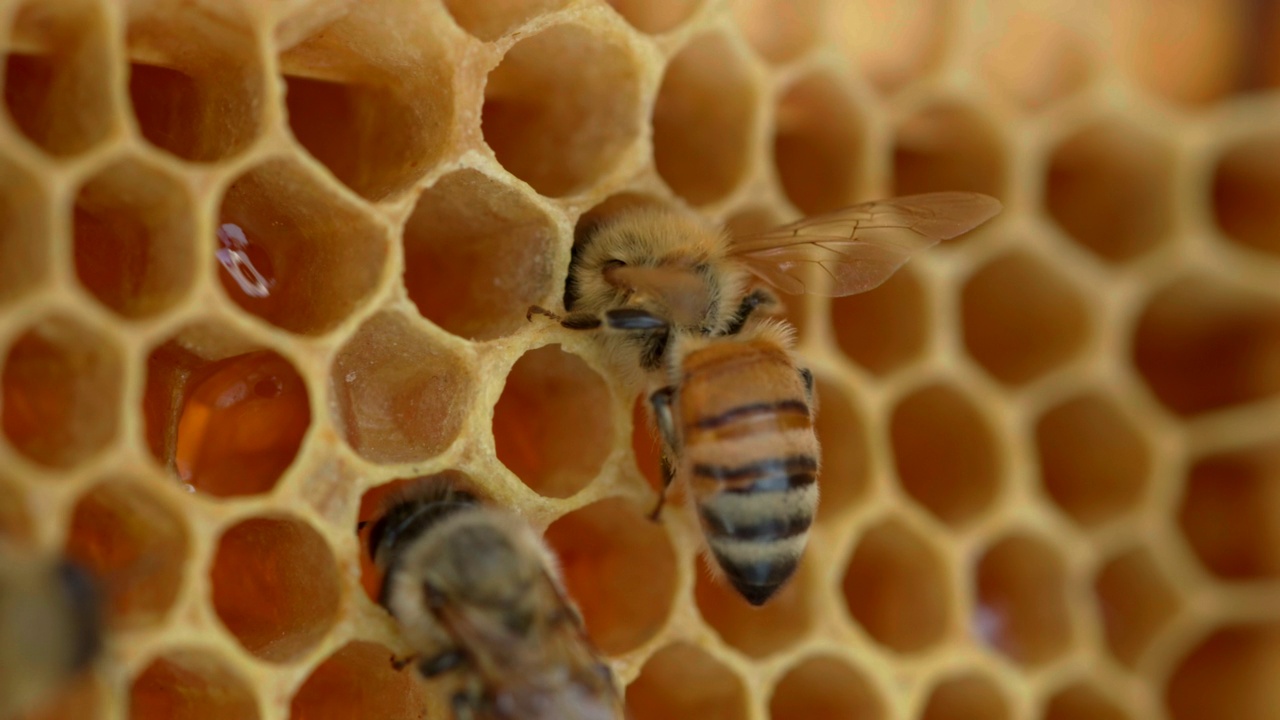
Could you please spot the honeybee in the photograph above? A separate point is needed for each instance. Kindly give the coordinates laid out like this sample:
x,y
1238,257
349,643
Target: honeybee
x,y
50,628
734,409
475,589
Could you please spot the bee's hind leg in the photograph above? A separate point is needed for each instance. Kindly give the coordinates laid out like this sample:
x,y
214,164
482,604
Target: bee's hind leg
x,y
662,413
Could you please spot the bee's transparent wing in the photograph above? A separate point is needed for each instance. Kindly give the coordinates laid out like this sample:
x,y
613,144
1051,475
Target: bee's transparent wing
x,y
859,247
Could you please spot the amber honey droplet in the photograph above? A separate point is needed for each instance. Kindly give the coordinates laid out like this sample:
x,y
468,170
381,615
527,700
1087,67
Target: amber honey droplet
x,y
241,425
247,272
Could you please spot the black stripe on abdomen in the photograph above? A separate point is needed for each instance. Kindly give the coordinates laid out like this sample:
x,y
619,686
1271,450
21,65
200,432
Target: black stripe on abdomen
x,y
768,470
765,529
745,411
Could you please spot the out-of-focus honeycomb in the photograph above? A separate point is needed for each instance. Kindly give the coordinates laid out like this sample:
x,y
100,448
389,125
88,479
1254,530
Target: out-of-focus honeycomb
x,y
1052,447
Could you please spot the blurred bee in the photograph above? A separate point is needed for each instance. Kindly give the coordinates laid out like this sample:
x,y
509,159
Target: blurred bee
x,y
475,589
50,628
658,262
733,408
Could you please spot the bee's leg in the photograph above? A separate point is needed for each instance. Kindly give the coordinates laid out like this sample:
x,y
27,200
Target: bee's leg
x,y
754,300
401,663
806,376
662,412
441,663
572,321
463,703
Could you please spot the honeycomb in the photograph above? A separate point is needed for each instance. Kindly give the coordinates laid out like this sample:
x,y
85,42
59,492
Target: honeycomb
x,y
1052,446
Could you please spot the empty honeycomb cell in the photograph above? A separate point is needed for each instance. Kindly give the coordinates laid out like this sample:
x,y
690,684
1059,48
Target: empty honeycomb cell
x,y
191,685
703,119
135,545
61,392
886,328
969,696
827,688
758,631
818,144
948,146
656,17
359,681
24,229
224,426
846,468
1021,604
15,517
134,239
683,681
1136,601
779,31
552,426
892,42
1094,462
1191,54
897,588
1082,702
196,83
275,586
1246,192
619,568
1201,345
325,254
561,108
380,117
1110,186
56,90
491,20
1019,341
1230,674
1231,513
946,453
477,254
400,397
1033,56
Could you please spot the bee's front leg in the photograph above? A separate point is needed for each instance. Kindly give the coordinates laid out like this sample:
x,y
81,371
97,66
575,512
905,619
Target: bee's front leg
x,y
572,321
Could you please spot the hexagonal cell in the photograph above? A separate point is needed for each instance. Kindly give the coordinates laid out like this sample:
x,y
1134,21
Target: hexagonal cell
x,y
1246,192
619,568
818,144
15,516
196,80
275,586
400,396
315,256
897,587
553,426
948,146
1082,701
1022,318
779,31
1093,461
893,42
24,232
137,546
1136,601
55,89
359,681
658,17
886,328
1035,55
827,688
561,107
1231,513
381,117
846,465
134,239
1201,345
191,685
946,453
1110,186
1205,64
758,631
703,119
968,696
1230,674
226,417
683,681
62,385
491,20
1021,604
477,254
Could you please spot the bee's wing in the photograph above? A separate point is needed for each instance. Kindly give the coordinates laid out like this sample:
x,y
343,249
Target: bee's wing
x,y
862,245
